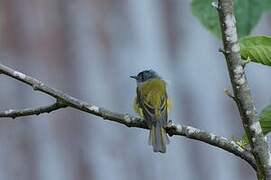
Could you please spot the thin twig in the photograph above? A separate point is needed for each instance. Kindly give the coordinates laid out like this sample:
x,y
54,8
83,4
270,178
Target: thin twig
x,y
32,111
222,51
215,5
241,90
245,62
229,94
126,119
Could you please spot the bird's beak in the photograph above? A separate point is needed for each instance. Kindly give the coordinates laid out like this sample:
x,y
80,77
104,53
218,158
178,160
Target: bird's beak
x,y
134,77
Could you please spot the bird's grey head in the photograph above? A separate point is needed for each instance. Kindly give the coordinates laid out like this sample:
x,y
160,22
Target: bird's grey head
x,y
145,75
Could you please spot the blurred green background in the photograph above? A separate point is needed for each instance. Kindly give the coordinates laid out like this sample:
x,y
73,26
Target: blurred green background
x,y
88,49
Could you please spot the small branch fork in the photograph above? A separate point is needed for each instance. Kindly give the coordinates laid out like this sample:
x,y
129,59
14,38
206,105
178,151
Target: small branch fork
x,y
33,111
64,100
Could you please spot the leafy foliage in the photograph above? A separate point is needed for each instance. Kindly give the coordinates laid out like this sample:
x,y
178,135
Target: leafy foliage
x,y
247,14
256,49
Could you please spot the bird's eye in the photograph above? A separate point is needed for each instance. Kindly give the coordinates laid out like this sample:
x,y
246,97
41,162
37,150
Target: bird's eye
x,y
142,77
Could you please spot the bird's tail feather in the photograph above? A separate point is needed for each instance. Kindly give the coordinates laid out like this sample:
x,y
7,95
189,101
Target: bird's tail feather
x,y
158,138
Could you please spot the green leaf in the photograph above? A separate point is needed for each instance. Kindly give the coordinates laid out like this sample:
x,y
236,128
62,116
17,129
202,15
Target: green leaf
x,y
243,142
265,119
207,15
267,5
257,49
247,12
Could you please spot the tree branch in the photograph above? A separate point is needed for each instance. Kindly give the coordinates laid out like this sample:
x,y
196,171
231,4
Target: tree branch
x,y
241,89
32,111
65,100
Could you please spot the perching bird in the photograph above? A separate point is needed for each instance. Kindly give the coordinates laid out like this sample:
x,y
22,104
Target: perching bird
x,y
153,104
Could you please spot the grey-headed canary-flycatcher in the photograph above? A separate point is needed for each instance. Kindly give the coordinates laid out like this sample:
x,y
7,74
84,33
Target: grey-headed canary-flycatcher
x,y
152,104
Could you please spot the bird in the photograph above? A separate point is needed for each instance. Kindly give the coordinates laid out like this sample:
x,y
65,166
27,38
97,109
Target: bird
x,y
153,104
